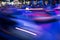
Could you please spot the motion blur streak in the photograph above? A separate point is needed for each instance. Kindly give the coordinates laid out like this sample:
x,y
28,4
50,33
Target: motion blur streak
x,y
26,31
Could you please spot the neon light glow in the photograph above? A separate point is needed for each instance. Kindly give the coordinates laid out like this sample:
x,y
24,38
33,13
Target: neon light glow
x,y
26,31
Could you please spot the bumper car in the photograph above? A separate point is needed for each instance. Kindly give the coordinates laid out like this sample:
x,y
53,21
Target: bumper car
x,y
22,27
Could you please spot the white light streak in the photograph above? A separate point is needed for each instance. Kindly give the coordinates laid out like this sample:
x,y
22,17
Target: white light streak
x,y
26,31
43,18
